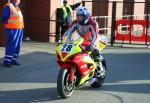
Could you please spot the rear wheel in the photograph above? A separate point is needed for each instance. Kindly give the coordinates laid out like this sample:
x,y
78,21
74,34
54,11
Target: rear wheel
x,y
100,74
64,86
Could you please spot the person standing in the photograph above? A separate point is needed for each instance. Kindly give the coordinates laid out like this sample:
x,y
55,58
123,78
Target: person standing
x,y
13,23
64,18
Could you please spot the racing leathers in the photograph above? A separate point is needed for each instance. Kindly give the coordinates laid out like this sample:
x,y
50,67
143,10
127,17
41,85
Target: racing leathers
x,y
89,31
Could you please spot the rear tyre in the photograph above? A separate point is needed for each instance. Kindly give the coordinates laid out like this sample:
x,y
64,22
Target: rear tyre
x,y
64,87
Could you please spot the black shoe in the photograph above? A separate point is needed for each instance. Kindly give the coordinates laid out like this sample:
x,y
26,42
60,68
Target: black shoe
x,y
7,65
15,63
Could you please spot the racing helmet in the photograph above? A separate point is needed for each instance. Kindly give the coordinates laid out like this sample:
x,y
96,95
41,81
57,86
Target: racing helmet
x,y
83,15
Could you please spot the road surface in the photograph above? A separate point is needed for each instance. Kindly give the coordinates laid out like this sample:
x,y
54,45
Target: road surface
x,y
128,77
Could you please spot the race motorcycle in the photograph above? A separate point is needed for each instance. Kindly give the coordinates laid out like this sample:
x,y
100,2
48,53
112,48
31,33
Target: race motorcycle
x,y
78,67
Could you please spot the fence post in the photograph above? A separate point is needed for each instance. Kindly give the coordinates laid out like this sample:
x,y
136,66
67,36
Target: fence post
x,y
147,19
113,23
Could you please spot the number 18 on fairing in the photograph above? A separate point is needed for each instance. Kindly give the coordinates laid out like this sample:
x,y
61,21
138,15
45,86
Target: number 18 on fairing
x,y
67,47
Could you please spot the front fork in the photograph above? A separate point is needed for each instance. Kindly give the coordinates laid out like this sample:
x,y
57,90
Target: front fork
x,y
72,73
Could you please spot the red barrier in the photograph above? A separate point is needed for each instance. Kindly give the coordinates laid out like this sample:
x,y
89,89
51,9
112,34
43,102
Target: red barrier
x,y
130,35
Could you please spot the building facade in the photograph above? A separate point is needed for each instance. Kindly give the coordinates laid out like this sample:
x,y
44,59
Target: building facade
x,y
39,15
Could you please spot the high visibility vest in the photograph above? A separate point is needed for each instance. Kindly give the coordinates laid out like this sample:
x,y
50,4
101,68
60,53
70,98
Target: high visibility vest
x,y
15,21
65,11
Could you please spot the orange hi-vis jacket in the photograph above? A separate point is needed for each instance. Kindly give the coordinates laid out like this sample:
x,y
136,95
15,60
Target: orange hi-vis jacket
x,y
15,21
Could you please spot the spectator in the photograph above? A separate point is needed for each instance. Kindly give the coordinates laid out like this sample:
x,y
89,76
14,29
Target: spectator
x,y
64,18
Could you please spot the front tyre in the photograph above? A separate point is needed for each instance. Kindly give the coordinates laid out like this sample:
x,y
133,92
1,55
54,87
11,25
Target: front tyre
x,y
64,87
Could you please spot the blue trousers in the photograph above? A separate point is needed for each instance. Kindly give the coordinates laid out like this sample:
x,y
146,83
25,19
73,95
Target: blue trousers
x,y
13,44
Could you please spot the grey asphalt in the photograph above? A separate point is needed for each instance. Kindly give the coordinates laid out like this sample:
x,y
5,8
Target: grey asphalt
x,y
34,81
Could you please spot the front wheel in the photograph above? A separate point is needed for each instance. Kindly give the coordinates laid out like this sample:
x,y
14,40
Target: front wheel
x,y
100,74
64,87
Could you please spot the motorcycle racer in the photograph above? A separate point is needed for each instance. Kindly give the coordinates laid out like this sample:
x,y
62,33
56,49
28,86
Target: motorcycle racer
x,y
87,28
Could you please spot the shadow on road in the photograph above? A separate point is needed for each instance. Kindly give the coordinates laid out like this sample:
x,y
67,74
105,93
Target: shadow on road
x,y
36,67
29,95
